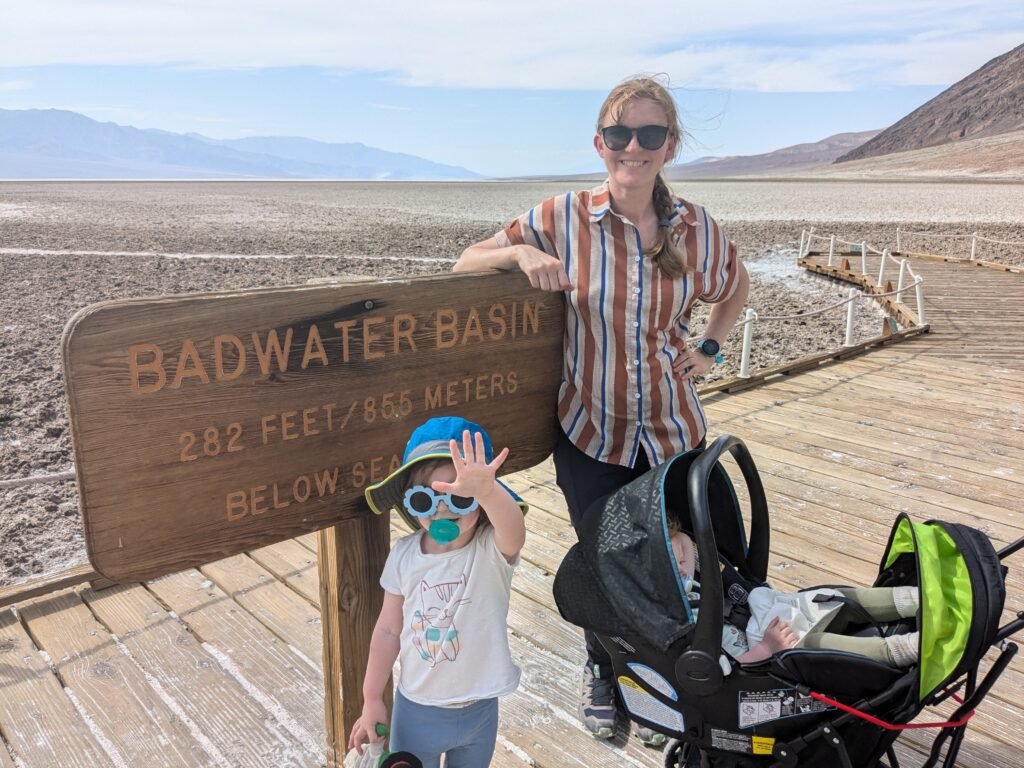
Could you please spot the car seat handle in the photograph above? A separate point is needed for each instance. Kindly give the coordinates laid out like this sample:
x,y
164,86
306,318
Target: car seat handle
x,y
698,668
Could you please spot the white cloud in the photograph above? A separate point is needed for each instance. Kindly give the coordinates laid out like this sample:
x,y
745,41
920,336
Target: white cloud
x,y
786,45
7,86
390,107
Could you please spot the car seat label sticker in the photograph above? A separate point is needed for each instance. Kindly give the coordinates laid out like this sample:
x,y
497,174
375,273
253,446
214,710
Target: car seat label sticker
x,y
731,742
763,745
761,706
642,704
653,679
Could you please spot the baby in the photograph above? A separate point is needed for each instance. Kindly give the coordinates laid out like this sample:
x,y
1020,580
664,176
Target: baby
x,y
780,621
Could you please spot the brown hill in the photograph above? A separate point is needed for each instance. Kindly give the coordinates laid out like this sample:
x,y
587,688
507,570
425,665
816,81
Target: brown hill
x,y
987,102
993,158
798,157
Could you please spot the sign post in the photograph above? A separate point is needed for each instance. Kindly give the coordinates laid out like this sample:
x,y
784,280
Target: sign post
x,y
206,425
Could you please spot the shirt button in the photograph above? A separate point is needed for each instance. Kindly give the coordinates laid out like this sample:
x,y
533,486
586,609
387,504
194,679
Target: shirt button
x,y
636,362
636,258
636,324
636,290
637,395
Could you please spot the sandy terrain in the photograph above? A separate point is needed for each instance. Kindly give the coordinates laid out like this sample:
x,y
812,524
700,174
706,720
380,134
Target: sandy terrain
x,y
64,246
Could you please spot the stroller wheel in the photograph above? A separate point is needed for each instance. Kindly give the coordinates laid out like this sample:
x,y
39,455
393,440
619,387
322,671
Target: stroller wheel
x,y
679,754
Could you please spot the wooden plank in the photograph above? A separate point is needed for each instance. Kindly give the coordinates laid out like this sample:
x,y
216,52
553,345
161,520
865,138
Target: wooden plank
x,y
975,480
282,681
235,728
51,582
886,492
294,565
37,719
892,414
134,723
289,616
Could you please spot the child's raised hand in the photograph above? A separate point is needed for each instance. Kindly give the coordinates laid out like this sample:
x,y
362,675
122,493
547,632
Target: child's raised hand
x,y
473,475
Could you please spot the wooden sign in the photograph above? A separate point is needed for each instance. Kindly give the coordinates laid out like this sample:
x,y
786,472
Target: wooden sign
x,y
210,424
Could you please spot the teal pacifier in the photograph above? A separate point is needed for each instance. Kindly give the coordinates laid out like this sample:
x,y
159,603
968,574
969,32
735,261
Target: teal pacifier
x,y
444,531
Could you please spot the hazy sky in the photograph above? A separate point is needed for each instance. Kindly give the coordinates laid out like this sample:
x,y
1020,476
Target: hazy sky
x,y
501,88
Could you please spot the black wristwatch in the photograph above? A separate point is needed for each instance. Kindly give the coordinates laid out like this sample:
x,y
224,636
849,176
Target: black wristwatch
x,y
709,347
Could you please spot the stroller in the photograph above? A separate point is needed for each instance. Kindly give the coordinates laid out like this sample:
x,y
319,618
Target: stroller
x,y
800,707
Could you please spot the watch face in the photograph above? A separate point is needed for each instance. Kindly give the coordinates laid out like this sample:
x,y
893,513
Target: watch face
x,y
709,347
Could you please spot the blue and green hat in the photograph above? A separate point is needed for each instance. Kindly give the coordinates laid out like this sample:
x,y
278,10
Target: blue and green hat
x,y
430,440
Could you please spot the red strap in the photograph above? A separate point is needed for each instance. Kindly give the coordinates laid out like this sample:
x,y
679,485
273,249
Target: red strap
x,y
890,726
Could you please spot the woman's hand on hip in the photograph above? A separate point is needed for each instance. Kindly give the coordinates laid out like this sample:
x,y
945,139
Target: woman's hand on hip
x,y
690,363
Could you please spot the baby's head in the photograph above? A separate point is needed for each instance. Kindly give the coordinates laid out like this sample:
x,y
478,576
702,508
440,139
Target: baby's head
x,y
683,551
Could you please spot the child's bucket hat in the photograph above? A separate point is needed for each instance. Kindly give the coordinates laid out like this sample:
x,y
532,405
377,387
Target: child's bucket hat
x,y
430,440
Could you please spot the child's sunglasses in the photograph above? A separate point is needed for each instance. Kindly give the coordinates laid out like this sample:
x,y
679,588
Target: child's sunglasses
x,y
617,137
422,501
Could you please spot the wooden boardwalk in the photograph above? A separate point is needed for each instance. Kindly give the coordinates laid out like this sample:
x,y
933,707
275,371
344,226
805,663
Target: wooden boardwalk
x,y
220,666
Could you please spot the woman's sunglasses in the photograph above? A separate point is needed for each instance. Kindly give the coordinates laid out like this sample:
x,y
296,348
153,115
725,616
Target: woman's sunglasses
x,y
422,501
617,137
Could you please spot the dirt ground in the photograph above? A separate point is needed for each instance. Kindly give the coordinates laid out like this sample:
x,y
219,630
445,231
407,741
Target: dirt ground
x,y
64,246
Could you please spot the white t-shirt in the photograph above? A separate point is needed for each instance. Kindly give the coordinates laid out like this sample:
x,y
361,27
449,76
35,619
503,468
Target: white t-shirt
x,y
454,641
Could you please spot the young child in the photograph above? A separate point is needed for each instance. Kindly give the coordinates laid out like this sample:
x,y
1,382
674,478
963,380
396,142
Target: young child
x,y
779,620
446,597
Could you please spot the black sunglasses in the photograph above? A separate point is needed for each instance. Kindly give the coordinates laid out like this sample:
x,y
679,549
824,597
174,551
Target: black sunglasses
x,y
617,137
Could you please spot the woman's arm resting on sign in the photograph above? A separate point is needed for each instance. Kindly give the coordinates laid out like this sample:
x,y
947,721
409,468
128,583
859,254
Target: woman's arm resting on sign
x,y
545,272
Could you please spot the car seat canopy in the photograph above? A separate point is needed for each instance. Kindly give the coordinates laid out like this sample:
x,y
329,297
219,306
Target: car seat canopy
x,y
623,564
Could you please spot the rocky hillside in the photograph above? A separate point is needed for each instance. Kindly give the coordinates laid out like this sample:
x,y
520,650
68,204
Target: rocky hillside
x,y
987,102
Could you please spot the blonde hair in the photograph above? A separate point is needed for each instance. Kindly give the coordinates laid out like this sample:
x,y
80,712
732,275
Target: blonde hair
x,y
663,251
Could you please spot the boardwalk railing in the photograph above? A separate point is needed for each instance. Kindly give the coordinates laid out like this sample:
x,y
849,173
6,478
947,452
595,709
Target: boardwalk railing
x,y
870,291
975,238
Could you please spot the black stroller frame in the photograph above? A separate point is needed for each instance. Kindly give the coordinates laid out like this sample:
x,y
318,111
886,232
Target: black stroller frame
x,y
801,707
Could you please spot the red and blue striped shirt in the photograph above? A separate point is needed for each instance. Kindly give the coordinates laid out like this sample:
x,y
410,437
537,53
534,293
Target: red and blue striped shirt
x,y
626,322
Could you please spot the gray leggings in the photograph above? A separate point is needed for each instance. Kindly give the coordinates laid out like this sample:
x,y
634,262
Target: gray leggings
x,y
879,605
465,735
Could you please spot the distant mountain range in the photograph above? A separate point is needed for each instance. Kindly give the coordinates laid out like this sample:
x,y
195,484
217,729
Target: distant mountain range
x,y
988,102
799,157
975,128
58,144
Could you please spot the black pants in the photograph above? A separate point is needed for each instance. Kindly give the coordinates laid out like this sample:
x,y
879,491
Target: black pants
x,y
583,481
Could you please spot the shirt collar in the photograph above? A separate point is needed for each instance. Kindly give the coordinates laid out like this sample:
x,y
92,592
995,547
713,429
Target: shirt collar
x,y
600,201
600,204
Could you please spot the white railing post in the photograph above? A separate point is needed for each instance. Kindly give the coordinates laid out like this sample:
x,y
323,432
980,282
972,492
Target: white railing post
x,y
974,245
831,249
919,289
881,269
748,337
863,257
899,249
899,283
851,314
800,253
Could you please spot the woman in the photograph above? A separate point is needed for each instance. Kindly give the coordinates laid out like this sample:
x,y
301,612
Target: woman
x,y
632,259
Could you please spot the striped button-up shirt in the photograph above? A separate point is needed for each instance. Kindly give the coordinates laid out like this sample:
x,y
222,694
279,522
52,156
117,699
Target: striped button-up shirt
x,y
626,322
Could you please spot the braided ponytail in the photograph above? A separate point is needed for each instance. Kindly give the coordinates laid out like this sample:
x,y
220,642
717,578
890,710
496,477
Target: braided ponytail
x,y
663,250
